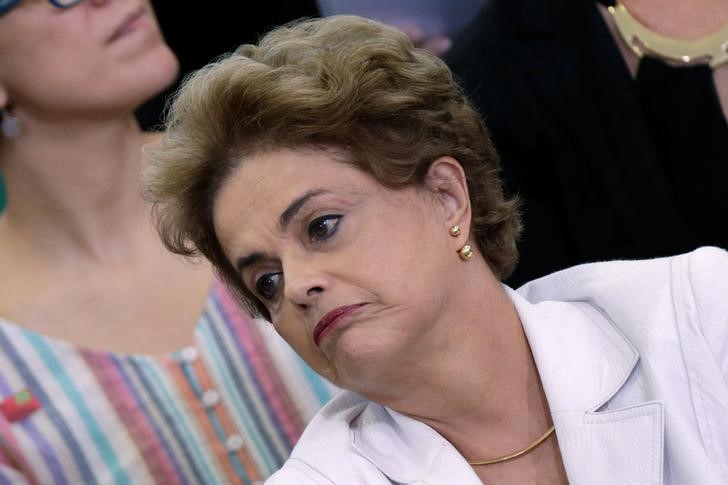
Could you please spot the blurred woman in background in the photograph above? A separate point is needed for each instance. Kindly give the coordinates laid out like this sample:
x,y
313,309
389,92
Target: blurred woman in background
x,y
119,362
610,119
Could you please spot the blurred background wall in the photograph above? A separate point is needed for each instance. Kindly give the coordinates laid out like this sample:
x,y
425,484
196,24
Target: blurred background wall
x,y
200,31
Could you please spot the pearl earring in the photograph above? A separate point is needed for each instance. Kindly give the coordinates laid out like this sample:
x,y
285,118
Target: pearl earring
x,y
465,252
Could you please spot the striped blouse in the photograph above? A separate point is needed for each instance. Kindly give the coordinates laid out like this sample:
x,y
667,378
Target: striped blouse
x,y
227,409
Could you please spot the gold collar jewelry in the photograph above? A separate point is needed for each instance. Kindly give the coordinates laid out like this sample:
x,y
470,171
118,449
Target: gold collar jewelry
x,y
516,454
713,48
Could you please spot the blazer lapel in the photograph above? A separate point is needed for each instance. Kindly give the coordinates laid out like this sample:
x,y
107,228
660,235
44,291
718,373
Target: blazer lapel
x,y
583,361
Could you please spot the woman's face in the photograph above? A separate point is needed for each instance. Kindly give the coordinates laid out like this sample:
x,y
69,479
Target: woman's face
x,y
354,274
96,56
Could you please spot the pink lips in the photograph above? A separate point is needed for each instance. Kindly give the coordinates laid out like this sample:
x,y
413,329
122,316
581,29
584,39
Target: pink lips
x,y
130,23
332,319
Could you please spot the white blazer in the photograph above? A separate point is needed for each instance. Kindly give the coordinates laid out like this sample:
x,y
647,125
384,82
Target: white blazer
x,y
633,356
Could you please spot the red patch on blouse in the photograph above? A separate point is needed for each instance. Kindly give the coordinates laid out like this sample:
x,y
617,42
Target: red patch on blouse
x,y
19,406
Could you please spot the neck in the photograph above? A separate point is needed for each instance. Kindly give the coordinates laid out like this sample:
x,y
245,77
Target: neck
x,y
73,188
680,20
482,390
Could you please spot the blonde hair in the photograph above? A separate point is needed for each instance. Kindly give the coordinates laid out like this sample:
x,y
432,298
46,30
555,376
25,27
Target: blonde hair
x,y
342,82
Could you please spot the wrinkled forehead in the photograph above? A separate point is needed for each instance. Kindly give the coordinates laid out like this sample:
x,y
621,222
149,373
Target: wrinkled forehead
x,y
254,195
250,193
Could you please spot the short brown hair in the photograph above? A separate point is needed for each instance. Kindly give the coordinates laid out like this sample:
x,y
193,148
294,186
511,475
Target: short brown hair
x,y
343,82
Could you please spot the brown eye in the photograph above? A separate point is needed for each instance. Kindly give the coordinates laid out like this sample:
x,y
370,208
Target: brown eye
x,y
323,227
267,285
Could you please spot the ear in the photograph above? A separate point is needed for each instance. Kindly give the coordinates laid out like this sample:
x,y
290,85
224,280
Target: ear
x,y
446,179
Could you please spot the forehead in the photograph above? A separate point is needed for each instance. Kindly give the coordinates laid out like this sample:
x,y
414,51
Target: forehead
x,y
263,185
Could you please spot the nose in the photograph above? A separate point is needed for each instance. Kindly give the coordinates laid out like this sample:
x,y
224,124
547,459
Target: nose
x,y
303,281
99,3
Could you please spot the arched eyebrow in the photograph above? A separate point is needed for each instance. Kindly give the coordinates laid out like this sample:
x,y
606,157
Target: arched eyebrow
x,y
243,263
295,206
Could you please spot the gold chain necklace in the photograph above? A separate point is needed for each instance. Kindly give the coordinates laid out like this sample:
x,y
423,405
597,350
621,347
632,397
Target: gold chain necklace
x,y
516,454
713,48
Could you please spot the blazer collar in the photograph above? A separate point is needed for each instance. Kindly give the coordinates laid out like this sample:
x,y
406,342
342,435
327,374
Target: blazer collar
x,y
407,450
583,360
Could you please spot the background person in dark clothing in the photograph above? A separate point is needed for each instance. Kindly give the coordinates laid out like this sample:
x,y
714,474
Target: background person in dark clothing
x,y
614,156
198,33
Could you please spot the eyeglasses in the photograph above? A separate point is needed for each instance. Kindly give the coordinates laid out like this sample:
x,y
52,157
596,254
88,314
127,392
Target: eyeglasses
x,y
7,5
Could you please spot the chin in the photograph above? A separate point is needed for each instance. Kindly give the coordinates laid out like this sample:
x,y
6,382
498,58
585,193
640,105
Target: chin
x,y
363,364
163,69
160,72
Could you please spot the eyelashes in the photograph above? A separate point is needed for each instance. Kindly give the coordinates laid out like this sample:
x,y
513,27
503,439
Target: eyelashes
x,y
267,285
323,227
318,230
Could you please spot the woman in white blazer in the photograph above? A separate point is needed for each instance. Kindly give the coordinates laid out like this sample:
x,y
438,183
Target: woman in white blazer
x,y
339,180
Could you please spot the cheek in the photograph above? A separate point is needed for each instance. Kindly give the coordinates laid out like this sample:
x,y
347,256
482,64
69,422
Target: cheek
x,y
401,251
291,331
40,68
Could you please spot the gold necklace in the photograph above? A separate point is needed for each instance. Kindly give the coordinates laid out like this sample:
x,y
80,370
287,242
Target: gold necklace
x,y
516,454
713,48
